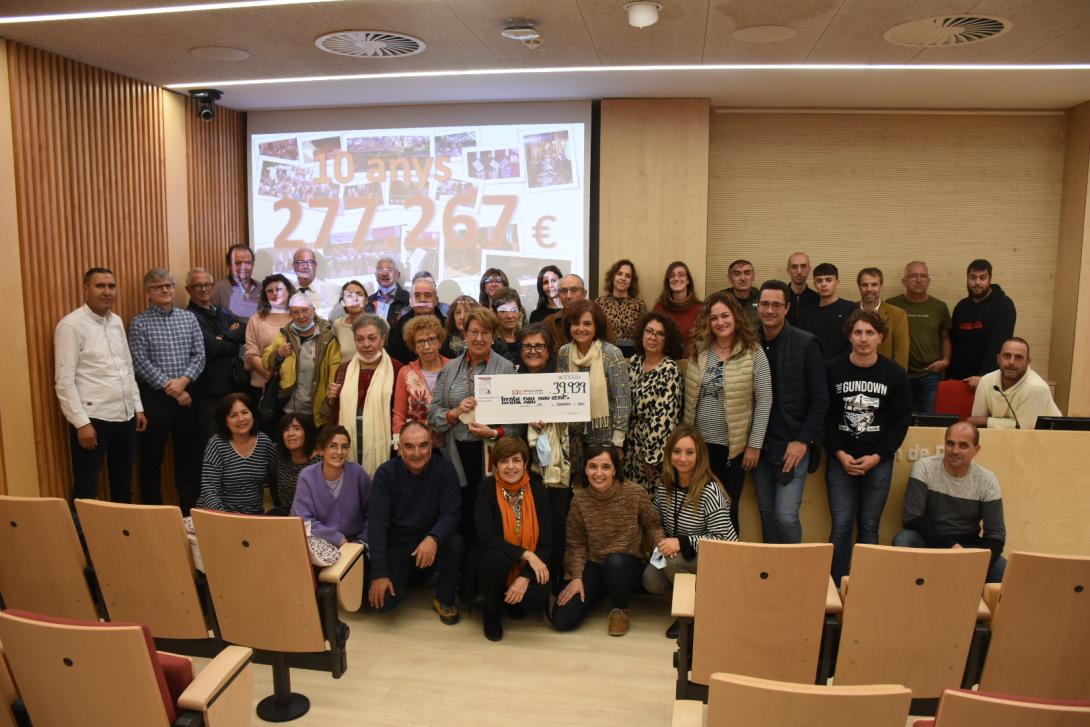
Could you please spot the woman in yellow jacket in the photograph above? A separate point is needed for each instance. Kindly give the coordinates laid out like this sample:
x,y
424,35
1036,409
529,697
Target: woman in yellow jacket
x,y
306,354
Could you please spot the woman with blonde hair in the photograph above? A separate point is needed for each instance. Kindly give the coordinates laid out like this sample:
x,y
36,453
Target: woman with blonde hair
x,y
692,507
424,335
728,392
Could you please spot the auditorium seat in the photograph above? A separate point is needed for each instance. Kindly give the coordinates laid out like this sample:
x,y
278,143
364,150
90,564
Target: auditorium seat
x,y
755,609
43,568
910,615
1040,644
8,694
961,708
740,700
144,567
266,597
954,397
71,672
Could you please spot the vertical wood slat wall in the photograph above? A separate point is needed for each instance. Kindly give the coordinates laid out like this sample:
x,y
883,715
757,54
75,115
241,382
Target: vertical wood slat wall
x,y
89,148
216,163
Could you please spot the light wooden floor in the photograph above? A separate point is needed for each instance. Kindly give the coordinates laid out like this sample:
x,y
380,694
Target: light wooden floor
x,y
407,668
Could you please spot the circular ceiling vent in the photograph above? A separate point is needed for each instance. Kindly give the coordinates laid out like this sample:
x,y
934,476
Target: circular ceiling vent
x,y
370,44
947,31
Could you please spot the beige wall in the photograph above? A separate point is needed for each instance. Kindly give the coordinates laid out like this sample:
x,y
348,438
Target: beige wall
x,y
882,189
654,187
1071,322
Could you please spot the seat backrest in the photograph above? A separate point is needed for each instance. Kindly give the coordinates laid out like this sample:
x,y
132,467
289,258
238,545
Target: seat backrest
x,y
759,609
1040,644
67,672
909,616
973,709
261,580
144,566
740,700
954,397
42,567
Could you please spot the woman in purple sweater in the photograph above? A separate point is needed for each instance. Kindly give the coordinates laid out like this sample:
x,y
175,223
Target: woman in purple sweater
x,y
333,494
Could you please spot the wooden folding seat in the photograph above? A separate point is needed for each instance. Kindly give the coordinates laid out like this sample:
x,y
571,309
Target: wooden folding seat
x,y
961,708
43,568
71,673
266,597
740,700
144,567
1040,644
909,618
756,609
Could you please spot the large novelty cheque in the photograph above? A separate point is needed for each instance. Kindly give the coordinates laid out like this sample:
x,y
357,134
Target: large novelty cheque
x,y
522,398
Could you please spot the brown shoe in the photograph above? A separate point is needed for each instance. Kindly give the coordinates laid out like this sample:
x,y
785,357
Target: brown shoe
x,y
618,622
447,614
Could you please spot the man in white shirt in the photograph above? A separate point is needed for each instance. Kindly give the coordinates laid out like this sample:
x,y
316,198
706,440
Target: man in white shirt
x,y
1013,396
97,390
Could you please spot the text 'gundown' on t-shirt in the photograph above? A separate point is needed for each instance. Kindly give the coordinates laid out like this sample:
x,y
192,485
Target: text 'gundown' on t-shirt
x,y
869,407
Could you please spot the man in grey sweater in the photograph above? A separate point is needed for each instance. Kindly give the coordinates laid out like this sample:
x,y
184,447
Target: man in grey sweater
x,y
948,497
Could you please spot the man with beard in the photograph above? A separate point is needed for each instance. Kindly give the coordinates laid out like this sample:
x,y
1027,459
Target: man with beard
x,y
1013,396
895,344
980,324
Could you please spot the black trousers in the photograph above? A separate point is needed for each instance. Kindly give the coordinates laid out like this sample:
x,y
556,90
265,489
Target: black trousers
x,y
617,576
167,420
559,502
117,446
472,456
731,475
492,569
402,570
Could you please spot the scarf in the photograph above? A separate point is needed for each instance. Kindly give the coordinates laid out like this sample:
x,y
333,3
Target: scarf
x,y
522,531
376,411
599,393
558,473
669,303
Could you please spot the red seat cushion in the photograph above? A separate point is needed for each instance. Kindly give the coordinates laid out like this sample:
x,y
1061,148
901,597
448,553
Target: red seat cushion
x,y
954,397
172,673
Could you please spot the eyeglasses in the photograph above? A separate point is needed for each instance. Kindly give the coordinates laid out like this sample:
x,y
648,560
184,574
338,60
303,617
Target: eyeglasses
x,y
427,342
200,286
479,334
493,280
568,291
380,271
534,348
773,304
304,263
508,309
161,287
654,333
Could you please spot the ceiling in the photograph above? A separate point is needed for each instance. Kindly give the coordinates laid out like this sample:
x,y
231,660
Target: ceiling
x,y
589,35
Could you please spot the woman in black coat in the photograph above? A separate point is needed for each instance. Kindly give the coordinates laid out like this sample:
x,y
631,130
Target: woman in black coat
x,y
514,537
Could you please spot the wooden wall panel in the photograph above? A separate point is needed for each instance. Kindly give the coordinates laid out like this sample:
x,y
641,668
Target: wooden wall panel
x,y
654,188
216,165
89,148
883,189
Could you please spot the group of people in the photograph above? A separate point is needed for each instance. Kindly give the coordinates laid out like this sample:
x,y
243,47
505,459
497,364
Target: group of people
x,y
365,424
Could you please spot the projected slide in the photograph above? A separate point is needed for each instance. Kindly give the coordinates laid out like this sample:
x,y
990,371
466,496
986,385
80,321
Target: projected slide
x,y
454,201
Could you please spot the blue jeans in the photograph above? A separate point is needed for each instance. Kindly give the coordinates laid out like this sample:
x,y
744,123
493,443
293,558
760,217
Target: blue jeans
x,y
853,499
923,392
779,500
912,539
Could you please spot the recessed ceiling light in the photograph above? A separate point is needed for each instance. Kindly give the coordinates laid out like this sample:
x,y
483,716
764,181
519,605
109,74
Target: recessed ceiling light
x,y
739,67
764,33
201,7
218,53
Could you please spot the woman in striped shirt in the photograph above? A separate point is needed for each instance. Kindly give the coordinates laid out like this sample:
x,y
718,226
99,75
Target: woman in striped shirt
x,y
728,392
692,507
238,460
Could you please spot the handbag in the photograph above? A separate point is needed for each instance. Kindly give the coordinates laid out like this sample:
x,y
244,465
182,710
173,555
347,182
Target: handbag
x,y
268,407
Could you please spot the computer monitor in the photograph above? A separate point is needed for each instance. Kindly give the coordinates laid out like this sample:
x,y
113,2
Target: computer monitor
x,y
1076,424
933,420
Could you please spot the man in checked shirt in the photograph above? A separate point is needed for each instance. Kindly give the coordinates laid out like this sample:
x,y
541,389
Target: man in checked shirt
x,y
167,355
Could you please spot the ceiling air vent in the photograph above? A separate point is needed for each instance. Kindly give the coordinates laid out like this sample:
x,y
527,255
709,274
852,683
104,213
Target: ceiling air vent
x,y
369,44
947,31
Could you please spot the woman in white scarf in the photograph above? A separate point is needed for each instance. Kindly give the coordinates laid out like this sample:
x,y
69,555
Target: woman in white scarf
x,y
610,389
361,394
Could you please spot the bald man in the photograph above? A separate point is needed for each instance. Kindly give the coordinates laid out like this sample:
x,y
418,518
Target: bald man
x,y
570,289
949,497
801,296
423,301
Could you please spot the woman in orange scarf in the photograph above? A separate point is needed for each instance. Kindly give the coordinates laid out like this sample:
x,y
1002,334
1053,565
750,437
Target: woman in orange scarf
x,y
513,548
